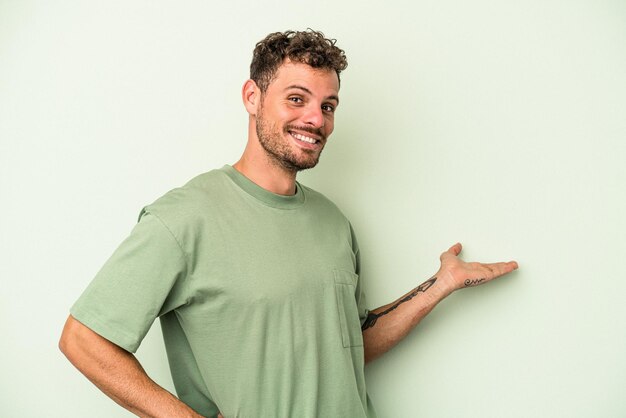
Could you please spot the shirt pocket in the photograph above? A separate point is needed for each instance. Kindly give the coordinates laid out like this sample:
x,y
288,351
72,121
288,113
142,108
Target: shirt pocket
x,y
345,289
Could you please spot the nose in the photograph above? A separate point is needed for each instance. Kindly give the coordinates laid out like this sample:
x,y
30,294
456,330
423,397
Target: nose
x,y
314,116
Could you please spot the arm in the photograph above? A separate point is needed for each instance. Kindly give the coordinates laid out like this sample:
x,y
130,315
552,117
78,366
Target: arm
x,y
386,326
118,374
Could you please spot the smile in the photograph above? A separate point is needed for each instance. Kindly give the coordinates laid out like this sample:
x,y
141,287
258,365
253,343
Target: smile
x,y
304,138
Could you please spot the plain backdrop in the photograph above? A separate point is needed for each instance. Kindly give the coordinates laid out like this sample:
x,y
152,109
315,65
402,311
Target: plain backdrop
x,y
499,124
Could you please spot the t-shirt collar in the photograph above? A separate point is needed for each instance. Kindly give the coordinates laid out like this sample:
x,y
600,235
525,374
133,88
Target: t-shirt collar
x,y
265,196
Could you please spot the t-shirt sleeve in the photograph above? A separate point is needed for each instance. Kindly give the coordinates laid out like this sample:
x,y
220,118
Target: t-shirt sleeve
x,y
143,279
360,300
359,293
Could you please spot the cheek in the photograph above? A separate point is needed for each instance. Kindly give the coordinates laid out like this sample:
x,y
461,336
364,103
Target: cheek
x,y
288,117
329,126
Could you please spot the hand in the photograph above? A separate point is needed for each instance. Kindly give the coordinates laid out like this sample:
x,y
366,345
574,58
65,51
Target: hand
x,y
459,274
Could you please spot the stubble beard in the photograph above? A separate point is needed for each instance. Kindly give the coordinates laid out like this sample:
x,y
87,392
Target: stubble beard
x,y
278,148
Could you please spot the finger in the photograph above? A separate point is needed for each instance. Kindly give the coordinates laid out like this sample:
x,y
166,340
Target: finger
x,y
493,270
454,250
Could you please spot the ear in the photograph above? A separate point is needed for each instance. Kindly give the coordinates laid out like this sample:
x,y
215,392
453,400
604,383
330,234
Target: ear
x,y
251,95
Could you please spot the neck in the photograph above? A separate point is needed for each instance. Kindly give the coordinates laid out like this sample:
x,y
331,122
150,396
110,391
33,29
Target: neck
x,y
267,174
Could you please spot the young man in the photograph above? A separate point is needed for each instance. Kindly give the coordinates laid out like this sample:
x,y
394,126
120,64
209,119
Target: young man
x,y
253,275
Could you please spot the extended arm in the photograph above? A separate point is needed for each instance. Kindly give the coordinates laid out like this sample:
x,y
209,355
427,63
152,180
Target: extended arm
x,y
118,374
384,327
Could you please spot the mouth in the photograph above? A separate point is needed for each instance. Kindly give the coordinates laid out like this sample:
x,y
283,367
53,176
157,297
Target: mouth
x,y
305,140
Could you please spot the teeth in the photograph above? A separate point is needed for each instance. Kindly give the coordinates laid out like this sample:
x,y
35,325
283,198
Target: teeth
x,y
304,138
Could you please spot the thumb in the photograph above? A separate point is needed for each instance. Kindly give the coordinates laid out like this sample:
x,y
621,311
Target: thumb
x,y
454,250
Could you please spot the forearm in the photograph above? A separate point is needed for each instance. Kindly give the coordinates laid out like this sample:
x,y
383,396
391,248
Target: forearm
x,y
118,374
387,325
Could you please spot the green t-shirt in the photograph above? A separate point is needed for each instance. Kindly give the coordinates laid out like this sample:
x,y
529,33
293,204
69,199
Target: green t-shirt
x,y
258,295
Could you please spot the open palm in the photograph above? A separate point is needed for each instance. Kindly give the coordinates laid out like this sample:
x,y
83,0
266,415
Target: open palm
x,y
461,274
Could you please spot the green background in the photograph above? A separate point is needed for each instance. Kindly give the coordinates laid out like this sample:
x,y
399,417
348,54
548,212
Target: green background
x,y
501,125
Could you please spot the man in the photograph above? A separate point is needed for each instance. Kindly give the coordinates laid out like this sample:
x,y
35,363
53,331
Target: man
x,y
253,275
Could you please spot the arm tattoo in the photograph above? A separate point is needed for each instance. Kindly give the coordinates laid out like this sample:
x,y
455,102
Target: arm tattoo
x,y
474,282
371,318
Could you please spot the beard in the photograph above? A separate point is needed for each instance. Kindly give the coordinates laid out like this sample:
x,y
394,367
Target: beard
x,y
277,147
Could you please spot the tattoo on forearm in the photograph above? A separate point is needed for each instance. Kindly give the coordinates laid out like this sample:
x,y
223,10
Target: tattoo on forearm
x,y
371,318
474,282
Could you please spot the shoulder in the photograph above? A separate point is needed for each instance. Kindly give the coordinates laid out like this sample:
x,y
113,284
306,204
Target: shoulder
x,y
316,198
198,191
181,208
322,205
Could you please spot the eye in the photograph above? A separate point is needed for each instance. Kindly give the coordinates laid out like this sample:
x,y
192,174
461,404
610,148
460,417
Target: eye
x,y
328,108
295,99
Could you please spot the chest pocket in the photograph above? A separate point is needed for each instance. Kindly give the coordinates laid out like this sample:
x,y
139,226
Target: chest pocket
x,y
345,288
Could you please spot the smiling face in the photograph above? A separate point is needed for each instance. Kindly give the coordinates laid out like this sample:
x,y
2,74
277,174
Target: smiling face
x,y
296,115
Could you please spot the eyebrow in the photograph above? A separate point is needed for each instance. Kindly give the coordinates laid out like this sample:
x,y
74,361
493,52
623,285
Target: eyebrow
x,y
306,90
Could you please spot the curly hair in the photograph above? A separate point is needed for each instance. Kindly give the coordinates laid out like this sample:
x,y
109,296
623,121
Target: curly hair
x,y
308,47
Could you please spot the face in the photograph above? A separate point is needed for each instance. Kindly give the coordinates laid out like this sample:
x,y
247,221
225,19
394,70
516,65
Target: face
x,y
296,115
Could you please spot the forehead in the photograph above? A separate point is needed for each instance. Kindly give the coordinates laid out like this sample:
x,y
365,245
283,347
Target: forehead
x,y
320,81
